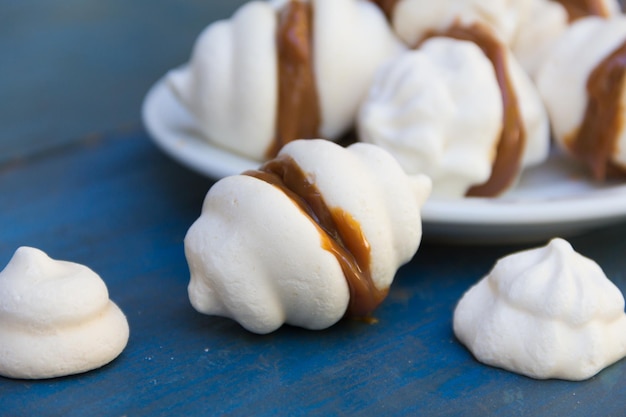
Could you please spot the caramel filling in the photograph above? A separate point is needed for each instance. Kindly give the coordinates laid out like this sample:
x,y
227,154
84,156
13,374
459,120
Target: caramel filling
x,y
340,233
510,148
298,115
595,140
581,8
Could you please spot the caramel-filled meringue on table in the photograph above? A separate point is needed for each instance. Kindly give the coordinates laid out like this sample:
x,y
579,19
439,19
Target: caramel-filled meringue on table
x,y
283,70
312,236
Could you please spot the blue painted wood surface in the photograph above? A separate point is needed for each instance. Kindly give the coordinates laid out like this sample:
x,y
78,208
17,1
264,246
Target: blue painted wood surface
x,y
80,179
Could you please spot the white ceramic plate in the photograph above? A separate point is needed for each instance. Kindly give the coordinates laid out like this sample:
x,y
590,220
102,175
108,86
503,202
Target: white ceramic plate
x,y
555,199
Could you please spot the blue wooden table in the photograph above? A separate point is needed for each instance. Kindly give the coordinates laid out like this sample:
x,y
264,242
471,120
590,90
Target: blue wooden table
x,y
101,194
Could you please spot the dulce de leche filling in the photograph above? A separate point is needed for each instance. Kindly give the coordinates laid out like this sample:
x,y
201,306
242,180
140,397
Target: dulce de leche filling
x,y
298,115
508,158
341,234
595,140
581,8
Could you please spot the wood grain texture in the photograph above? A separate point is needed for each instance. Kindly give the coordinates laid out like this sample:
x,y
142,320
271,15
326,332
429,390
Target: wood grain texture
x,y
119,206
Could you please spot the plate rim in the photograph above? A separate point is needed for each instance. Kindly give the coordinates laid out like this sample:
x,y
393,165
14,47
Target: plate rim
x,y
605,204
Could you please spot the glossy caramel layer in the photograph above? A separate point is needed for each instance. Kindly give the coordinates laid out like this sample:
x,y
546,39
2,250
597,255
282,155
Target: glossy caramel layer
x,y
340,233
298,115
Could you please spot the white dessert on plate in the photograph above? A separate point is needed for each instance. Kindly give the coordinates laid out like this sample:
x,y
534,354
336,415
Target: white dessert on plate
x,y
547,312
413,19
315,234
528,27
56,318
539,27
459,109
582,84
438,110
279,71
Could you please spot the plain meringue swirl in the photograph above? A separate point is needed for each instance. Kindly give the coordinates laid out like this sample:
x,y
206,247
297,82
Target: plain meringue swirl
x,y
547,312
56,318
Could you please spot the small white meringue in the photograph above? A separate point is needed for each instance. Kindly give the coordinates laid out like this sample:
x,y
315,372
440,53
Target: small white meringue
x,y
547,312
56,318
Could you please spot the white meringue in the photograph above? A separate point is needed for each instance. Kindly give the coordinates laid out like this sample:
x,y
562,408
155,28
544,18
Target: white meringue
x,y
612,7
562,79
528,27
230,85
254,255
231,82
56,318
534,115
352,39
439,111
544,313
539,27
412,19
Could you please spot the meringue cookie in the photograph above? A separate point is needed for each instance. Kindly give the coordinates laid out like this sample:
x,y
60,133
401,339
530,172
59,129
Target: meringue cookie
x,y
232,85
544,313
352,40
534,115
586,111
257,255
413,19
56,318
440,111
539,27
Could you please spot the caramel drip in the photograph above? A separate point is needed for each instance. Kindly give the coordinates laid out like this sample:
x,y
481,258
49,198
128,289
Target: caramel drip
x,y
510,149
341,234
581,8
298,115
596,138
387,6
